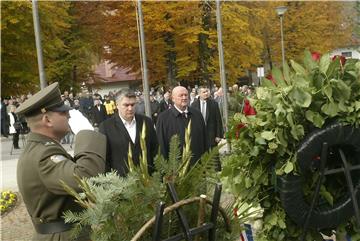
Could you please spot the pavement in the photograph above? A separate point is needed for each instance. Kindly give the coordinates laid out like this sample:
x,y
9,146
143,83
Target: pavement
x,y
15,225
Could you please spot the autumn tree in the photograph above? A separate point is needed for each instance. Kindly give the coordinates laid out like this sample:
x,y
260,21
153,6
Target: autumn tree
x,y
19,61
67,42
317,26
242,48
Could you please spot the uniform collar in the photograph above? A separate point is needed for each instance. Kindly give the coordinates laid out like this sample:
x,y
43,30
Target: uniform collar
x,y
32,136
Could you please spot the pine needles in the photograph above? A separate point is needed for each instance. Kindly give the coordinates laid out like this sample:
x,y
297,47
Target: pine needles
x,y
116,207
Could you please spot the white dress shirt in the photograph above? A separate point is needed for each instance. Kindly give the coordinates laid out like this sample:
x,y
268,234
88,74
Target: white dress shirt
x,y
185,111
203,106
131,128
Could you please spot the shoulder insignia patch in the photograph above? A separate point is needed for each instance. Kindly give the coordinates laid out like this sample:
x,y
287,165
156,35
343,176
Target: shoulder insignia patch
x,y
57,158
49,143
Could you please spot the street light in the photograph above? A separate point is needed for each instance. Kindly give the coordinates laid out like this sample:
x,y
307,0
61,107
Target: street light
x,y
280,12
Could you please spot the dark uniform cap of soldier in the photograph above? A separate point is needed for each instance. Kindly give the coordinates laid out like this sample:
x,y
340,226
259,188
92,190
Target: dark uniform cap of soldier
x,y
47,99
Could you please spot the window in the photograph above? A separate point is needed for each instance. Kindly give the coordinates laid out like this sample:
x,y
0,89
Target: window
x,y
346,54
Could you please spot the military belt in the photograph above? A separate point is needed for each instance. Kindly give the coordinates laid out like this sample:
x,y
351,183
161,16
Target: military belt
x,y
52,227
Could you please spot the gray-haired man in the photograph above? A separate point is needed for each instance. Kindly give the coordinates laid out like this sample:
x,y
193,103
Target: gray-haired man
x,y
125,128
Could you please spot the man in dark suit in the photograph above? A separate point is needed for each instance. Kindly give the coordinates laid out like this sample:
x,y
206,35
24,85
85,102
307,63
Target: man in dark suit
x,y
211,113
124,129
154,107
98,113
174,121
4,119
166,102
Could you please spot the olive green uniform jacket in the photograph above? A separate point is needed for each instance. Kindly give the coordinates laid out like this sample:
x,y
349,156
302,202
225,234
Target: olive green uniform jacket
x,y
43,163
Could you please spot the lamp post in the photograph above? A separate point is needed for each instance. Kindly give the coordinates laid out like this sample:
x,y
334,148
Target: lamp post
x,y
280,12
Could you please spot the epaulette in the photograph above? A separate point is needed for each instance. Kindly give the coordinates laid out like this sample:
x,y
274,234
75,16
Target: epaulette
x,y
57,158
49,143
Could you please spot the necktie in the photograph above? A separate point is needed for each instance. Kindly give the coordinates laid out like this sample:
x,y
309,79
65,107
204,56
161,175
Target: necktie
x,y
203,110
184,116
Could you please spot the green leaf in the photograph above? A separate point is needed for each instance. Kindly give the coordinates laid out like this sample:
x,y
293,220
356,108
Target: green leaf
x,y
260,140
290,119
357,105
341,91
297,132
289,167
267,135
300,97
256,174
273,219
266,83
281,138
254,151
324,63
331,109
315,118
309,63
328,91
273,145
327,195
278,76
281,223
286,73
332,70
248,182
298,68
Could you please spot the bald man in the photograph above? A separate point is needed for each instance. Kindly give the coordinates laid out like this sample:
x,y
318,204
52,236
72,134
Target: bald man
x,y
174,121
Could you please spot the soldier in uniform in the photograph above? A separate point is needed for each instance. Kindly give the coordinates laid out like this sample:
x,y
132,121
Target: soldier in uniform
x,y
44,162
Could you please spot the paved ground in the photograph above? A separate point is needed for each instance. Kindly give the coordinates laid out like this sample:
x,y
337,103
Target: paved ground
x,y
16,225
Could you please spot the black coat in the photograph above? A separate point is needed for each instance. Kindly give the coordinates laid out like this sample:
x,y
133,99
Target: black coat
x,y
5,120
118,140
164,106
213,121
155,110
98,116
171,122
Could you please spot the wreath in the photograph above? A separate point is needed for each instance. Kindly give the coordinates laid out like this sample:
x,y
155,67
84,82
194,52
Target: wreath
x,y
292,105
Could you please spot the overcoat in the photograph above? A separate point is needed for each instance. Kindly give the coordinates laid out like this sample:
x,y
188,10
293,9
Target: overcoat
x,y
171,122
118,140
213,121
41,166
98,115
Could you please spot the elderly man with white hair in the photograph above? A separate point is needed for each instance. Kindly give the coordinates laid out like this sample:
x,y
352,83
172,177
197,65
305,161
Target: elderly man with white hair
x,y
175,120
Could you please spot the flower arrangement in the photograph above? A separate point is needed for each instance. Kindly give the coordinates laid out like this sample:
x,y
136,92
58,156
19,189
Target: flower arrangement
x,y
7,201
289,105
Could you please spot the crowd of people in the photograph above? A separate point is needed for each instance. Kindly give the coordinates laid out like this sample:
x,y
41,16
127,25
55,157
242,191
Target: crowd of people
x,y
98,108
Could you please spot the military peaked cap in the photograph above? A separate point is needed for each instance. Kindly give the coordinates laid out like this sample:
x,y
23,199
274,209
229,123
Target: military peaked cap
x,y
47,99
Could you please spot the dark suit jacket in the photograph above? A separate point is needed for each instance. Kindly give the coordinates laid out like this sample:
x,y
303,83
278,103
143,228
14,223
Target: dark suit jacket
x,y
213,121
164,106
171,122
98,116
118,140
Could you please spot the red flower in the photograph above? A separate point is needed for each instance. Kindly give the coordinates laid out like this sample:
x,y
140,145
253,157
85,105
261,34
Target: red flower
x,y
235,210
315,56
342,59
316,158
248,109
237,130
239,126
270,77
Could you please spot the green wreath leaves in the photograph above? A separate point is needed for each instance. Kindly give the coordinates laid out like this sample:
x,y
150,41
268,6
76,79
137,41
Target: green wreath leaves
x,y
296,100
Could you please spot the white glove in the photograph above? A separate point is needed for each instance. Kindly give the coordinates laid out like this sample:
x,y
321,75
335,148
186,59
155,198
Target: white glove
x,y
78,122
